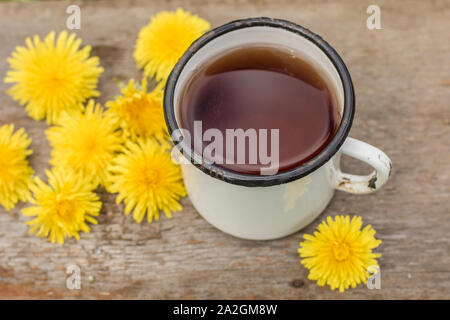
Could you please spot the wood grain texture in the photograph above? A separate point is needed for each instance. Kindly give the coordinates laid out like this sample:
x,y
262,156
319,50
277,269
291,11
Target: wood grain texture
x,y
402,80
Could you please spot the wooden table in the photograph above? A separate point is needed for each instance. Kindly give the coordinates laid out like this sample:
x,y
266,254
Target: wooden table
x,y
402,79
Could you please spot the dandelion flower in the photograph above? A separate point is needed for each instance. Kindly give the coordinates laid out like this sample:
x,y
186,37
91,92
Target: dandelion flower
x,y
146,180
85,142
139,113
164,40
63,207
53,77
15,172
339,253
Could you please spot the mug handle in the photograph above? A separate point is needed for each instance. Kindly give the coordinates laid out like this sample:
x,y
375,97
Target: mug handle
x,y
376,158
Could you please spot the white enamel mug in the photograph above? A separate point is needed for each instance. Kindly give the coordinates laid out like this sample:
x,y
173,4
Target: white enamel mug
x,y
272,206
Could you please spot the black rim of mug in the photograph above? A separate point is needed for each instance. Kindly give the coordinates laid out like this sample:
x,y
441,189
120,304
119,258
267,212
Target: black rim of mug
x,y
281,177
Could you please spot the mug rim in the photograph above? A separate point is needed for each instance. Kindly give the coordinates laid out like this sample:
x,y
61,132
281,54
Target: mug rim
x,y
298,172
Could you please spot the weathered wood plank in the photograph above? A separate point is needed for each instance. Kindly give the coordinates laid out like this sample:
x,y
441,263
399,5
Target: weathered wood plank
x,y
401,74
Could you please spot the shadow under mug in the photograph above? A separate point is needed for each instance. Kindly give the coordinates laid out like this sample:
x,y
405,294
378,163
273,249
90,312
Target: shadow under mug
x,y
272,206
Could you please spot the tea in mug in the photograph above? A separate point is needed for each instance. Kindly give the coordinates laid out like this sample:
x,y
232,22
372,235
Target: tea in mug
x,y
261,87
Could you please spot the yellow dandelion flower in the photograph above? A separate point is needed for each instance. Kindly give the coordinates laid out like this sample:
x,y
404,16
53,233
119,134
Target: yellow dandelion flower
x,y
63,207
15,172
339,253
139,113
146,180
164,40
85,142
53,77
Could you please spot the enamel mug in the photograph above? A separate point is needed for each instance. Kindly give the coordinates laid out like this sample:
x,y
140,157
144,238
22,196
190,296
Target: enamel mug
x,y
262,207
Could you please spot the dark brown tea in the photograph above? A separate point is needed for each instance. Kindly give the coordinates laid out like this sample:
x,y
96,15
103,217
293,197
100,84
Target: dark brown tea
x,y
262,88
